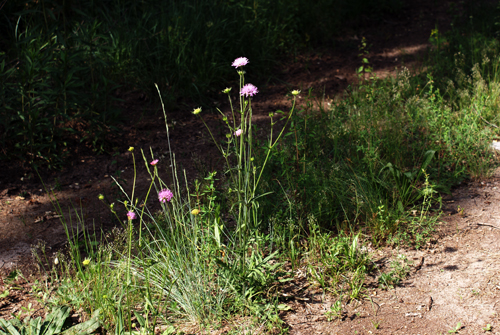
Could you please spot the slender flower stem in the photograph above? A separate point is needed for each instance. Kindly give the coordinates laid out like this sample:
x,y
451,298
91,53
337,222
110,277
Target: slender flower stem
x,y
135,177
272,145
240,159
216,144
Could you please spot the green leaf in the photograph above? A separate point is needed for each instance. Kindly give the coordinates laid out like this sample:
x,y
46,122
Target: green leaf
x,y
140,319
35,326
283,307
54,322
9,327
217,233
428,156
284,280
119,322
169,330
87,327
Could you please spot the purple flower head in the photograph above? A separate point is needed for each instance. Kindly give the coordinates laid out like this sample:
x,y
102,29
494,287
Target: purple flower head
x,y
165,195
241,61
238,132
131,215
249,90
154,162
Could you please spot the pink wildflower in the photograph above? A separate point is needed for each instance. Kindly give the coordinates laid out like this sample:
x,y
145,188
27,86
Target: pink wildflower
x,y
238,132
165,195
131,215
154,162
241,61
249,90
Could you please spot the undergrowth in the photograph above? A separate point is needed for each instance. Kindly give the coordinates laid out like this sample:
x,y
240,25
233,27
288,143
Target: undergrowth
x,y
313,200
65,65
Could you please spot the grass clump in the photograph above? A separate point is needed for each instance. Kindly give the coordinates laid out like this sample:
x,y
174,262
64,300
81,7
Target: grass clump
x,y
185,264
377,157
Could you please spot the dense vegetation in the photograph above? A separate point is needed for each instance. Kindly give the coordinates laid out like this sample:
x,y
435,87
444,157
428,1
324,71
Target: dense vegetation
x,y
368,170
62,60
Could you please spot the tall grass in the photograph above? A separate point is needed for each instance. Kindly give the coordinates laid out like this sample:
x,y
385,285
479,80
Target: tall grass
x,y
387,146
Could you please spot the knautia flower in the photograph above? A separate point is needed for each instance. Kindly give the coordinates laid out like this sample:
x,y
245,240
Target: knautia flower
x,y
249,90
238,132
295,92
154,162
195,211
197,111
165,195
241,61
86,261
131,215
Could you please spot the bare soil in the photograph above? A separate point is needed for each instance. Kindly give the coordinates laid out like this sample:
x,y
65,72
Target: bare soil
x,y
455,280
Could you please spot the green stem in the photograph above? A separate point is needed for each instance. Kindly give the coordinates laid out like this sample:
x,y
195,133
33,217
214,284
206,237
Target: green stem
x,y
272,145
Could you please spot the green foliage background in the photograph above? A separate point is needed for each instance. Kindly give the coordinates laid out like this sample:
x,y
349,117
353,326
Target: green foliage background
x,y
61,60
